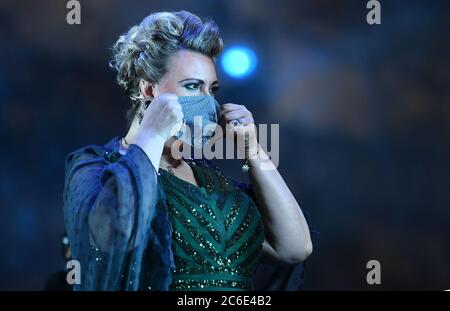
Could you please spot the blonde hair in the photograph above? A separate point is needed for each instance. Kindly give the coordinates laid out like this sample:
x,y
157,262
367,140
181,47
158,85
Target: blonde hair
x,y
143,52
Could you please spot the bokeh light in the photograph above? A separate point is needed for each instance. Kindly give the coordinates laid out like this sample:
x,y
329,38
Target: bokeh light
x,y
239,61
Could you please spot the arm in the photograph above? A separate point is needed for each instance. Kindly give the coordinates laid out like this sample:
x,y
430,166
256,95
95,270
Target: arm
x,y
103,197
110,204
286,231
287,236
114,198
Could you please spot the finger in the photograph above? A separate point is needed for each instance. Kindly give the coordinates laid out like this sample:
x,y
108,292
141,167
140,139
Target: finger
x,y
236,114
175,105
168,96
231,107
178,126
247,121
242,122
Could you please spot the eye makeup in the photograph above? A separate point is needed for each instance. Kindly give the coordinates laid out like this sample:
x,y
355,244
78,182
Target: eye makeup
x,y
197,84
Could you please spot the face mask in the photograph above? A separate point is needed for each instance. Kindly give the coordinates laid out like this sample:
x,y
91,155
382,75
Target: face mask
x,y
201,117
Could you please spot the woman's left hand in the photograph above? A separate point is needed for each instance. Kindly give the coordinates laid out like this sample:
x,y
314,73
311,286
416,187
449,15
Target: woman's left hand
x,y
238,119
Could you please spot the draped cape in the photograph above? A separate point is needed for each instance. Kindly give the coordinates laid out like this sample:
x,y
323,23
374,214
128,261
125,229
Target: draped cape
x,y
115,212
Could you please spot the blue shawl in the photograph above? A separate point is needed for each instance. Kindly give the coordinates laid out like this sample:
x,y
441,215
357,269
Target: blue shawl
x,y
104,191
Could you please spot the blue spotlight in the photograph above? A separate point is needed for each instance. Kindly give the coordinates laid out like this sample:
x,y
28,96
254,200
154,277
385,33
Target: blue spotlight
x,y
239,62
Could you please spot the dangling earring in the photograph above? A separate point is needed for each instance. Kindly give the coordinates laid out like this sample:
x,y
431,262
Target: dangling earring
x,y
145,104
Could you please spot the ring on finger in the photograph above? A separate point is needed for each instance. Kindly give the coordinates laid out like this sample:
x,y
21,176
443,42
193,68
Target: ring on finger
x,y
238,121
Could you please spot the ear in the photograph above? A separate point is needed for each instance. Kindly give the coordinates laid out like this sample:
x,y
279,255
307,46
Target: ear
x,y
146,88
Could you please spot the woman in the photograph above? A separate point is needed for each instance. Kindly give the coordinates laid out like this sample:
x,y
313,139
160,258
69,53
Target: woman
x,y
141,217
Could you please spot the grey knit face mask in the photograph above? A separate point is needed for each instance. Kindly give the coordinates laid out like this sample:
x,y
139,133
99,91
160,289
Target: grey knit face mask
x,y
200,116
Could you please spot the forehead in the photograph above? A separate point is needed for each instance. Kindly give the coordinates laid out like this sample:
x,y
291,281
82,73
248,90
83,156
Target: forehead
x,y
190,64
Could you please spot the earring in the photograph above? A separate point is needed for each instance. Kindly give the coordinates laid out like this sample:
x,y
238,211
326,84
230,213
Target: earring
x,y
147,102
145,105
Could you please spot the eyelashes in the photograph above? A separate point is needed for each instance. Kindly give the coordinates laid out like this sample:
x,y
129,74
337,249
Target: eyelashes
x,y
192,86
195,86
214,89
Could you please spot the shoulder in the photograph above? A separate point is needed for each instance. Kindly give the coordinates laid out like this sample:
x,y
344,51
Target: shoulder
x,y
85,155
107,152
87,151
90,156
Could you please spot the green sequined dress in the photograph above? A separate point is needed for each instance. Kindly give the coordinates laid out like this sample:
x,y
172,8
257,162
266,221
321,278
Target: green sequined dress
x,y
217,231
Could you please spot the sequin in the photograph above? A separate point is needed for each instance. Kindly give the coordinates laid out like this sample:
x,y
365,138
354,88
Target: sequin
x,y
216,283
217,231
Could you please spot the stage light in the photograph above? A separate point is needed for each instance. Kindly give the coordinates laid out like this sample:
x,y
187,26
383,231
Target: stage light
x,y
239,62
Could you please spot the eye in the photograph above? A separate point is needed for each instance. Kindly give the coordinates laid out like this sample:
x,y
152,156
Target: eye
x,y
192,86
214,90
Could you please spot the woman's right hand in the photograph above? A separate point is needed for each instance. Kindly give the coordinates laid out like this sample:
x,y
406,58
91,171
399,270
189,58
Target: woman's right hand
x,y
163,116
161,120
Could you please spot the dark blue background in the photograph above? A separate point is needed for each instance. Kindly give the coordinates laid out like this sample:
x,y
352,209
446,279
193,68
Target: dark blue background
x,y
363,112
